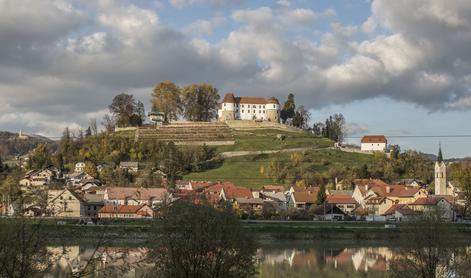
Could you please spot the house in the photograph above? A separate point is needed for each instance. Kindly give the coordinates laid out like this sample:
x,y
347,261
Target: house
x,y
444,204
279,198
303,199
377,205
79,167
65,203
41,177
130,166
249,205
93,203
344,202
135,196
248,108
370,143
399,212
126,211
78,178
329,212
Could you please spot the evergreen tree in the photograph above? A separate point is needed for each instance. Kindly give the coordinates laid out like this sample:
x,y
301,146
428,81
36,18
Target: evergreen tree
x,y
321,196
289,109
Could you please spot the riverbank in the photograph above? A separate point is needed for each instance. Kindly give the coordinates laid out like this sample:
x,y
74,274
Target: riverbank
x,y
260,230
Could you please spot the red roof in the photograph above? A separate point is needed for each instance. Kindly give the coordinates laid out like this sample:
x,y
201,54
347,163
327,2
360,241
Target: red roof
x,y
340,199
121,209
309,197
230,190
402,208
432,200
374,139
276,188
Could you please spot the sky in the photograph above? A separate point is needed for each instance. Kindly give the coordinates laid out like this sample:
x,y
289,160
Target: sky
x,y
399,68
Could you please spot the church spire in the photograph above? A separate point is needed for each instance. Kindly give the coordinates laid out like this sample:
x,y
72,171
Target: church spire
x,y
440,155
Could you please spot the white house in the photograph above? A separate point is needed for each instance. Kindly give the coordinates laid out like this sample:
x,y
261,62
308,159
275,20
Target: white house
x,y
79,167
249,108
371,143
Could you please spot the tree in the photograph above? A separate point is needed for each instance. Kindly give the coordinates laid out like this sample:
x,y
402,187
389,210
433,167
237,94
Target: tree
x,y
109,123
23,251
199,102
333,128
166,98
289,108
90,168
200,241
301,117
93,127
321,196
40,157
461,175
88,132
127,111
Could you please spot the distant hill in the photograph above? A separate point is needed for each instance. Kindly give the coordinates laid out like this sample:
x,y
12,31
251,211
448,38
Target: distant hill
x,y
11,145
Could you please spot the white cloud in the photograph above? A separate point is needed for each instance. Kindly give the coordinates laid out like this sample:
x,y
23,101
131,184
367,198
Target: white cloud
x,y
205,27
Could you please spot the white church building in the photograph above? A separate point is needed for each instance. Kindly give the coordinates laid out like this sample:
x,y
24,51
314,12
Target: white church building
x,y
249,108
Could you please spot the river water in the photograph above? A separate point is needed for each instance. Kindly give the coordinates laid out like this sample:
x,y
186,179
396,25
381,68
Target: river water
x,y
280,259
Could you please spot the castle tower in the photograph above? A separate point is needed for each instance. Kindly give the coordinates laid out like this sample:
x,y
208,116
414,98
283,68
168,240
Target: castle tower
x,y
227,108
440,174
273,110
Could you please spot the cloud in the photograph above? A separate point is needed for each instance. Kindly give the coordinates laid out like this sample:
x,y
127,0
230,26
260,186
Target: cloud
x,y
64,62
354,129
180,4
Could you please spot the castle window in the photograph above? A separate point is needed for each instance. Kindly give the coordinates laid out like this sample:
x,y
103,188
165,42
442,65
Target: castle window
x,y
242,111
242,106
254,106
264,107
224,104
259,111
259,106
273,106
248,111
263,111
237,110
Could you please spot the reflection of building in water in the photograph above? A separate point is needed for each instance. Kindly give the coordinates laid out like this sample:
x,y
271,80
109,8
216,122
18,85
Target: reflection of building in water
x,y
110,260
365,259
279,257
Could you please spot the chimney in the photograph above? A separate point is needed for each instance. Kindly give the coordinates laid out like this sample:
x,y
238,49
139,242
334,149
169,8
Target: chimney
x,y
366,186
336,180
388,189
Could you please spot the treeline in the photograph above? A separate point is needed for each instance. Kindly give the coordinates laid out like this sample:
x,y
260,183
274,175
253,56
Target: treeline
x,y
109,150
195,102
303,169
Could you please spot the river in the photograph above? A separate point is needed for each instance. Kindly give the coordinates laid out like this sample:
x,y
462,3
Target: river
x,y
280,259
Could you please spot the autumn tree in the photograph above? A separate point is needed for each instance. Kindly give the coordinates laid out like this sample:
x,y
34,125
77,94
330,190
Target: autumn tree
x,y
334,128
40,157
199,102
289,108
90,168
200,241
321,195
461,175
166,98
127,111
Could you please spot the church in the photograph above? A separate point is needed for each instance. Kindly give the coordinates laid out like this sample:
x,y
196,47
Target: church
x,y
442,185
248,108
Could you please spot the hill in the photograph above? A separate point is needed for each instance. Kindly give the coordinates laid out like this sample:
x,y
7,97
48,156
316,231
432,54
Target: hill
x,y
11,145
245,170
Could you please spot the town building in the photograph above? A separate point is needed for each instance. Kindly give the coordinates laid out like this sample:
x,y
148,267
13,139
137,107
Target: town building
x,y
371,143
65,203
249,108
440,174
126,211
135,196
130,166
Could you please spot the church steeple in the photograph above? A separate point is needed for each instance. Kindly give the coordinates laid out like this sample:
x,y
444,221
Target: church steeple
x,y
440,155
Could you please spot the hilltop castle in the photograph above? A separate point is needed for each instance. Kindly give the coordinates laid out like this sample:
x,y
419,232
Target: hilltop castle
x,y
249,108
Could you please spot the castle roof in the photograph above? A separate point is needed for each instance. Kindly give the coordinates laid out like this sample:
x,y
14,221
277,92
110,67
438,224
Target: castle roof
x,y
374,139
230,98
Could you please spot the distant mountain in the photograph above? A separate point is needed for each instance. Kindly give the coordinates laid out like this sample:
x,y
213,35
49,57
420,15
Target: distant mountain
x,y
430,156
11,145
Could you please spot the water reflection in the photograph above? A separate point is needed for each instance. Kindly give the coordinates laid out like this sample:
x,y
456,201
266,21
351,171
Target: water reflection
x,y
313,260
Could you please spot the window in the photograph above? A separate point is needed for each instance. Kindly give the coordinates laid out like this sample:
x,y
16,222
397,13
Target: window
x,y
274,106
254,106
242,111
70,198
224,104
242,106
263,111
248,111
259,106
264,107
237,110
259,111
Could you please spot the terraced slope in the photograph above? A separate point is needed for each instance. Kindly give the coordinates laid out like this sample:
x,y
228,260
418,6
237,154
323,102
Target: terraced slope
x,y
189,133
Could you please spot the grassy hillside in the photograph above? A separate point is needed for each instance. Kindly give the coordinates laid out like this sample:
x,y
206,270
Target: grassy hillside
x,y
266,139
245,170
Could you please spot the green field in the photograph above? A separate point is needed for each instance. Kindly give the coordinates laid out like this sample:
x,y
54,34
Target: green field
x,y
245,170
265,139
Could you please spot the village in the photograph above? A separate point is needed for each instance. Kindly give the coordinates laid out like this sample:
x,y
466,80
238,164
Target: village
x,y
78,195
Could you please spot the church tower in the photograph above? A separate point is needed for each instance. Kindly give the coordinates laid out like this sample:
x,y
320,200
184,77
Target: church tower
x,y
440,174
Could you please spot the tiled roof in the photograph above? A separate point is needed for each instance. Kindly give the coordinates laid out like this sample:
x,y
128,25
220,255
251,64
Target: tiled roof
x,y
309,197
341,192
121,209
402,208
123,193
432,200
374,139
340,199
375,200
251,100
